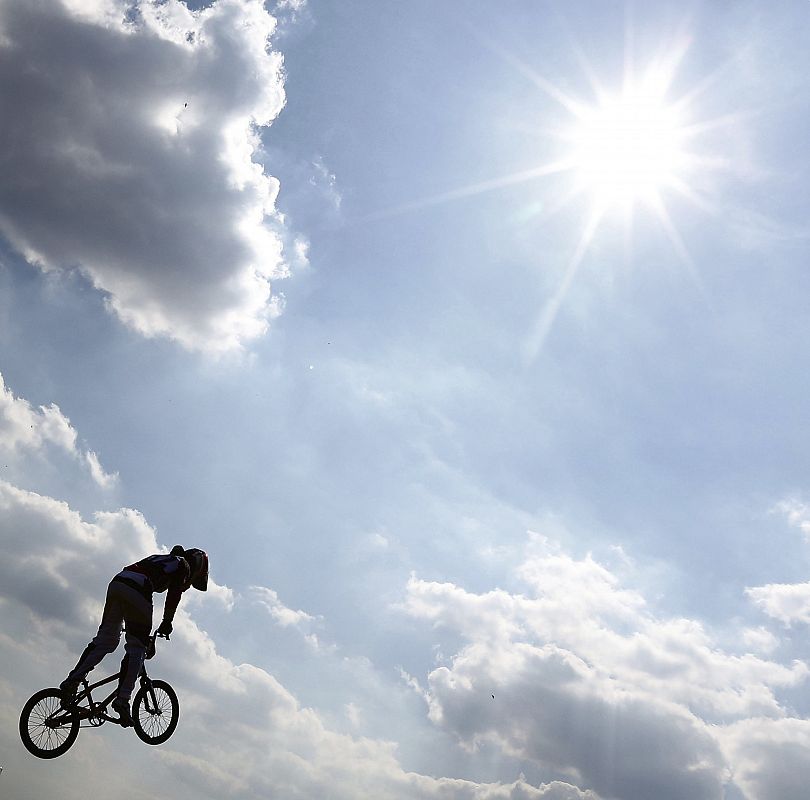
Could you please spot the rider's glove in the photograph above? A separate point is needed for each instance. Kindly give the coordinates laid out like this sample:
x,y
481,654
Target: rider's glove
x,y
164,629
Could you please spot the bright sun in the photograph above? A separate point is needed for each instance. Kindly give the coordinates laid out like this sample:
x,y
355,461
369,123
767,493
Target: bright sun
x,y
631,148
628,147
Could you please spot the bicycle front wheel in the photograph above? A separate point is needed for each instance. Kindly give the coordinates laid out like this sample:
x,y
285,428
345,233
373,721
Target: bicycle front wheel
x,y
46,729
155,712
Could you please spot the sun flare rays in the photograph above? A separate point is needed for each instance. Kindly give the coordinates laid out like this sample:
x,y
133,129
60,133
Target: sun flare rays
x,y
619,154
627,152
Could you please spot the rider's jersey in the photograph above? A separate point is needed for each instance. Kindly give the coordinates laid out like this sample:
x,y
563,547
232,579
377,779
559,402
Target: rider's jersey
x,y
163,572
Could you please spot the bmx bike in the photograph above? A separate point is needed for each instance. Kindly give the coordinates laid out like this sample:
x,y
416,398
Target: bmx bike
x,y
47,730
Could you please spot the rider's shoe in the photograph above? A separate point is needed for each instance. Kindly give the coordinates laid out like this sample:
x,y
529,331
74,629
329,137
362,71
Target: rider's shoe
x,y
121,707
68,689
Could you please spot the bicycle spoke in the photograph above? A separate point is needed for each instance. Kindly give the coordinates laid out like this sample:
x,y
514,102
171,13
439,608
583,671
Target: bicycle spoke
x,y
41,729
47,730
156,716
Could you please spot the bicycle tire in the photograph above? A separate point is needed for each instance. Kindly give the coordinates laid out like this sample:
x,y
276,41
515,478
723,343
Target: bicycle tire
x,y
155,726
40,738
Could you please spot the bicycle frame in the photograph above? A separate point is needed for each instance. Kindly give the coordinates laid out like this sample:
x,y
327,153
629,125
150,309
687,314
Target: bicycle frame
x,y
94,712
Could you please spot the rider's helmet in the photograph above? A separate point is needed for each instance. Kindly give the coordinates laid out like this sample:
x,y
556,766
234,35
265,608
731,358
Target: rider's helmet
x,y
198,562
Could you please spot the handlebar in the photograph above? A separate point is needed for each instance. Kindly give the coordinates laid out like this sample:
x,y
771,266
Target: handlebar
x,y
150,647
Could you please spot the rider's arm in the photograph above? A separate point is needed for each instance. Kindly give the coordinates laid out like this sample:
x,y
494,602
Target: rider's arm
x,y
172,601
177,585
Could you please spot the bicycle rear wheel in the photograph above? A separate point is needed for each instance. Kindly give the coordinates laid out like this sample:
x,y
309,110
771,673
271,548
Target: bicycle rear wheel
x,y
154,716
46,729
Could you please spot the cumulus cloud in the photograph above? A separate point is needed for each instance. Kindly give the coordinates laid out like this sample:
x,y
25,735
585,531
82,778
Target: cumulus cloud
x,y
551,707
282,749
789,603
579,605
760,640
102,478
284,616
578,675
126,151
773,757
25,430
786,602
49,550
548,705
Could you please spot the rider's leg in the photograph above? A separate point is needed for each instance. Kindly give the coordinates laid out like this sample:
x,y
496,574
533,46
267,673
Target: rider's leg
x,y
137,636
105,641
138,616
136,609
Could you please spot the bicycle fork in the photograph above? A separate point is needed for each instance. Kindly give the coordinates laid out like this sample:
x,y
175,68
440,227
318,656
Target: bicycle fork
x,y
149,698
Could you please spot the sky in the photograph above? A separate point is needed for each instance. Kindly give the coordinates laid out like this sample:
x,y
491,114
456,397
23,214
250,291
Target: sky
x,y
469,340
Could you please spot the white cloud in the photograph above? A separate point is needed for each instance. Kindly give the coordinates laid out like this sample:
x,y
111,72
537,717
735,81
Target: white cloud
x,y
589,684
607,625
326,180
786,602
57,565
761,640
286,617
797,514
102,478
219,593
551,707
24,428
293,5
133,130
53,570
290,11
772,757
579,676
352,714
26,431
377,541
242,733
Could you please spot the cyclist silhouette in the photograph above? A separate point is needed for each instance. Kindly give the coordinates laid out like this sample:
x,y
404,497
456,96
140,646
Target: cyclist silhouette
x,y
129,600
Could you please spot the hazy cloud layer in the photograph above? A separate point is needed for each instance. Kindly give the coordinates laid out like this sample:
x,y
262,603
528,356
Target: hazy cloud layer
x,y
242,733
126,151
576,675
